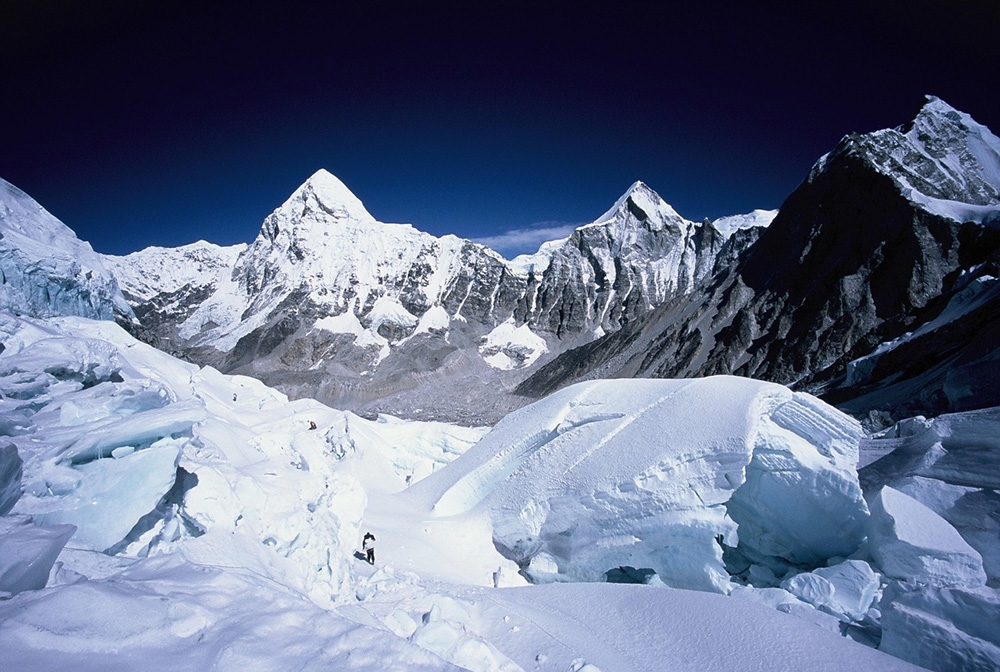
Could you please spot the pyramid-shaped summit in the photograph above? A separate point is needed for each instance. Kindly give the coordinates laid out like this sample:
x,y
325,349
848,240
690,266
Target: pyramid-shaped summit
x,y
324,195
643,204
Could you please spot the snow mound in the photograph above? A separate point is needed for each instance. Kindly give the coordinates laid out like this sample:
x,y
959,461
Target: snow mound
x,y
650,473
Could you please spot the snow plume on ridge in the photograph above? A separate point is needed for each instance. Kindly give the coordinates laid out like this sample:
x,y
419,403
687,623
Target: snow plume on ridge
x,y
633,473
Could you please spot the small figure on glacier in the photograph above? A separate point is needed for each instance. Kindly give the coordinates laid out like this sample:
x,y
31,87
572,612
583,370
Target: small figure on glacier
x,y
312,425
368,545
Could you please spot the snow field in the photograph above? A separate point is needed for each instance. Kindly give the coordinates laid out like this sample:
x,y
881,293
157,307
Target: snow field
x,y
245,552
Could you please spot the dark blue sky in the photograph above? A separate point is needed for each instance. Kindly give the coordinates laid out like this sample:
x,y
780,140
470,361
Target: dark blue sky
x,y
163,123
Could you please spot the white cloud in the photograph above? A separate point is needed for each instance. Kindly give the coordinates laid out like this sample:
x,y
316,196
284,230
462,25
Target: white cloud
x,y
525,241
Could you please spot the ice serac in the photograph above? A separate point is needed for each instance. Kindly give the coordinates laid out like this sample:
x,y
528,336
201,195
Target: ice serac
x,y
151,455
10,476
950,464
887,231
937,537
649,473
804,446
27,553
846,589
911,542
46,271
104,451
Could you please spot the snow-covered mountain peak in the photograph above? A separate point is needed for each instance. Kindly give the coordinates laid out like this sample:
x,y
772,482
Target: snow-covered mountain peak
x,y
942,160
322,218
640,205
322,200
938,118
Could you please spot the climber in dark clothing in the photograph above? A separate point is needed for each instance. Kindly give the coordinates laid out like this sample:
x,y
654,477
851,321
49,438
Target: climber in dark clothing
x,y
369,547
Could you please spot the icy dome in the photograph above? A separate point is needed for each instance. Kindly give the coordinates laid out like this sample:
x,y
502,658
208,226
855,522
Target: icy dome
x,y
662,475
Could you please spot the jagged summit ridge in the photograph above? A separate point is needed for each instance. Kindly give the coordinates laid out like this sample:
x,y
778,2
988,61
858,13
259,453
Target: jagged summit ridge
x,y
942,160
329,302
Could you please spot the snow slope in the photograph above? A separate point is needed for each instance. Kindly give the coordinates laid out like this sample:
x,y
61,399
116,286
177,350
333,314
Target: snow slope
x,y
727,226
248,557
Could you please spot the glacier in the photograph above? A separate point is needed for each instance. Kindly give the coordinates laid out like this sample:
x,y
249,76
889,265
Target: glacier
x,y
248,557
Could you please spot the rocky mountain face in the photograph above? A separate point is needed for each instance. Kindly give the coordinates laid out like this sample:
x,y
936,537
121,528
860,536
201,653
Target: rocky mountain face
x,y
330,303
875,285
45,270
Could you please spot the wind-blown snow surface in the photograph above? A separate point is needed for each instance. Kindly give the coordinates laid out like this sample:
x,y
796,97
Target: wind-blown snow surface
x,y
246,558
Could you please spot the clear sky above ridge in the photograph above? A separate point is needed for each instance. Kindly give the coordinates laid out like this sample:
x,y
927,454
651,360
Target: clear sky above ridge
x,y
163,123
